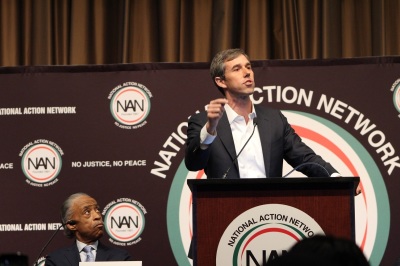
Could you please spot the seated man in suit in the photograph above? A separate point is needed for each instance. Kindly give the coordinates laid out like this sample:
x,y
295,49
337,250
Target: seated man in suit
x,y
83,221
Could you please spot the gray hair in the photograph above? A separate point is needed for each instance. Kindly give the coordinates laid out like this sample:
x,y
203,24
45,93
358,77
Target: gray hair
x,y
66,212
217,68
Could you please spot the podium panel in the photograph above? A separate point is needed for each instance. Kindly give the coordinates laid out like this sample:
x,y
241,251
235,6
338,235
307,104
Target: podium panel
x,y
217,202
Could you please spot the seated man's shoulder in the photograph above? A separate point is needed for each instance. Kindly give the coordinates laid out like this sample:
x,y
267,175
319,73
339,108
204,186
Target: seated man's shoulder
x,y
114,253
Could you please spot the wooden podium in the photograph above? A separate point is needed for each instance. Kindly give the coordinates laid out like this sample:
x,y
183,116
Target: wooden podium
x,y
216,202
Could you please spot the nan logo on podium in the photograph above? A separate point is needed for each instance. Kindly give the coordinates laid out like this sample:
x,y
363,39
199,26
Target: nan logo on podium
x,y
263,233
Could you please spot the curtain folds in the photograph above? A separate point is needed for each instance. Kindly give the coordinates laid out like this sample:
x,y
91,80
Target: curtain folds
x,y
74,32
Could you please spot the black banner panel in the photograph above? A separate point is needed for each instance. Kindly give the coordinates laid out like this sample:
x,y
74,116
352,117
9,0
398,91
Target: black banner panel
x,y
118,132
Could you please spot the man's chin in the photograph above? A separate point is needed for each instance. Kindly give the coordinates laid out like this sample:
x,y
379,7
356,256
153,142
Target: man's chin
x,y
99,234
90,239
248,92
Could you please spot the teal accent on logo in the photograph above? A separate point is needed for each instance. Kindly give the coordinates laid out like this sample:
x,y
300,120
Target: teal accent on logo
x,y
396,97
382,198
173,226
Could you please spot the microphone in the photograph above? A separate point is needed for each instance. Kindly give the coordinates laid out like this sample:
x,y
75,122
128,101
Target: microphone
x,y
70,222
237,156
307,163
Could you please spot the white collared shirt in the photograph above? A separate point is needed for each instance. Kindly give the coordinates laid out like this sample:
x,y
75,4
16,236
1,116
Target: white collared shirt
x,y
82,253
251,160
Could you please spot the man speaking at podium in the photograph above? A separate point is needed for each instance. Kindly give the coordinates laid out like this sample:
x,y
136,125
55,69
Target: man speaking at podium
x,y
83,221
236,139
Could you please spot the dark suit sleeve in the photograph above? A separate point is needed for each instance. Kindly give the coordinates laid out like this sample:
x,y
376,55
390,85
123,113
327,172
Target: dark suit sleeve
x,y
296,152
195,158
63,257
106,253
123,256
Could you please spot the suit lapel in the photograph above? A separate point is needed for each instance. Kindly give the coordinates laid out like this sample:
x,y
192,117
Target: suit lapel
x,y
225,135
102,253
72,255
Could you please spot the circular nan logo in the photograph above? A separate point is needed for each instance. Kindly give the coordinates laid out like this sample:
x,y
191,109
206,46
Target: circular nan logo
x,y
263,233
124,221
396,94
130,105
333,143
41,162
41,261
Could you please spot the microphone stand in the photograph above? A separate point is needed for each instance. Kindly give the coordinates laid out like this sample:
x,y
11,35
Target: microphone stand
x,y
48,242
237,156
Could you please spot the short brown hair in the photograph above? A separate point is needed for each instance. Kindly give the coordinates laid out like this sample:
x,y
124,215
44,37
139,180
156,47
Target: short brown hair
x,y
217,68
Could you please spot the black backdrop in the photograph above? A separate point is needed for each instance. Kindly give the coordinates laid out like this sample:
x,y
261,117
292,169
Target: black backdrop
x,y
136,115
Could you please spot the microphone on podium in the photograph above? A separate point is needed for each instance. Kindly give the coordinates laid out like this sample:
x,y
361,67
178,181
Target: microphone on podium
x,y
307,163
237,156
70,222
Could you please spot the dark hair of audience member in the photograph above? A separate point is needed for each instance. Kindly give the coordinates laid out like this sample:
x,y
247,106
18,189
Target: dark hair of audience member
x,y
323,250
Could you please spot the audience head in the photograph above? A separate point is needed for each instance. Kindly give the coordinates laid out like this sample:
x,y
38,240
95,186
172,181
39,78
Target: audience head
x,y
82,218
323,250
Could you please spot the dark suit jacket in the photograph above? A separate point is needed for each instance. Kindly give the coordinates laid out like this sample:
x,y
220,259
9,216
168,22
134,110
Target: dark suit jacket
x,y
69,256
278,140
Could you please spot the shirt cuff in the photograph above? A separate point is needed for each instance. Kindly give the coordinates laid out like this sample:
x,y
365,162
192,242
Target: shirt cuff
x,y
335,175
206,138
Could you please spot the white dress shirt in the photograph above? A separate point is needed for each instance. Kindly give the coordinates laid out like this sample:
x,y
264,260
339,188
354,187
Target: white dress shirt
x,y
251,160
